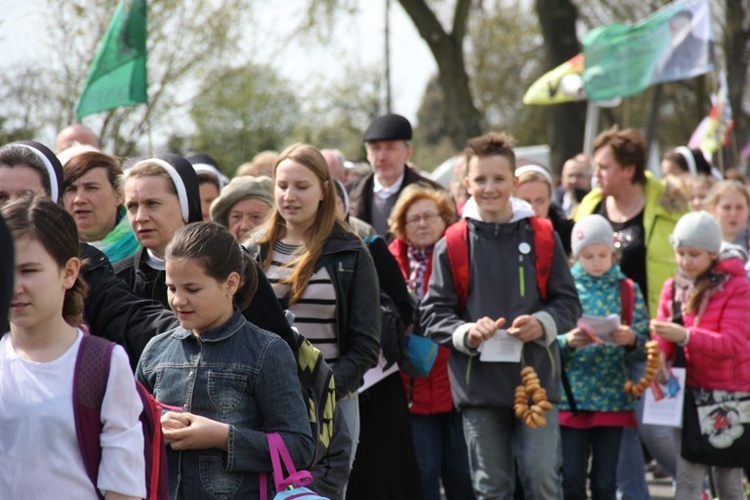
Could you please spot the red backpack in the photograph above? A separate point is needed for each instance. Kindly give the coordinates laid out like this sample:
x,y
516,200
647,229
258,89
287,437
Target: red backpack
x,y
457,245
457,238
89,385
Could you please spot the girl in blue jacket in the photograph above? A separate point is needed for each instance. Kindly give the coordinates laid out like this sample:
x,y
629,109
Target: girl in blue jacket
x,y
597,373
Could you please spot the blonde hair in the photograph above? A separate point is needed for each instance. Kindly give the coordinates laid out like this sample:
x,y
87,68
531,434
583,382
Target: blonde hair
x,y
320,231
723,187
413,193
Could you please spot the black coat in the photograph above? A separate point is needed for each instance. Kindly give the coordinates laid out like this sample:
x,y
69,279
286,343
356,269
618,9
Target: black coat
x,y
360,195
112,311
264,310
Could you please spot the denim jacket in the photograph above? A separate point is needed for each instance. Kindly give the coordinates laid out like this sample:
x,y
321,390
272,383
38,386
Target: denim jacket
x,y
237,374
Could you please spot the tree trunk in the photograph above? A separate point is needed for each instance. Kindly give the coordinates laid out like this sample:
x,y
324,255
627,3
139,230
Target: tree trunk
x,y
737,52
462,118
567,122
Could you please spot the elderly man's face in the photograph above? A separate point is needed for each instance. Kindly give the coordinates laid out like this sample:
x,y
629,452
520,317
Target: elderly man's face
x,y
576,175
388,159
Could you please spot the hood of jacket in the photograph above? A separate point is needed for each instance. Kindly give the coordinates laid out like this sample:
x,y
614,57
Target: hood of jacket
x,y
521,210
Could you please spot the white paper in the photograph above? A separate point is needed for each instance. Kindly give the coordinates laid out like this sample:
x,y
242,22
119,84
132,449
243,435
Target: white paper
x,y
602,328
501,348
667,411
377,373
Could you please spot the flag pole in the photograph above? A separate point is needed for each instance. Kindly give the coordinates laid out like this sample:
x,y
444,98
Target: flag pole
x,y
592,125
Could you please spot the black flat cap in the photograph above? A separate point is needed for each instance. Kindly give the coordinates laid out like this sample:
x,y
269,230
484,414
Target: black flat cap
x,y
388,128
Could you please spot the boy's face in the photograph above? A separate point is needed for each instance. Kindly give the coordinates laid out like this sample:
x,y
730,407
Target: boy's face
x,y
596,259
491,182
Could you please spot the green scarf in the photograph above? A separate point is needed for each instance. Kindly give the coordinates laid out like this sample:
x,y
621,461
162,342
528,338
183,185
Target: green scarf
x,y
120,242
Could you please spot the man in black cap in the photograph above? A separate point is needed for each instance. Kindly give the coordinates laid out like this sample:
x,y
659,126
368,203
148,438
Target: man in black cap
x,y
388,144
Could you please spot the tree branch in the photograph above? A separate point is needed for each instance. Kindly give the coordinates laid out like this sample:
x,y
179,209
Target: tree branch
x,y
427,23
460,19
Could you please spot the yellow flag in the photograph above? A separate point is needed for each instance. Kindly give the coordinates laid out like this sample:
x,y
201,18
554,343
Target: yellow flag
x,y
562,84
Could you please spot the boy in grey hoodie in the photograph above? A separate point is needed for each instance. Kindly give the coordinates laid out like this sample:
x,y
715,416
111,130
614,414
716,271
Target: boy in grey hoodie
x,y
502,293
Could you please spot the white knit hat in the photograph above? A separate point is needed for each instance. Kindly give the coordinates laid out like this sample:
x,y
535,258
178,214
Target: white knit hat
x,y
591,230
698,230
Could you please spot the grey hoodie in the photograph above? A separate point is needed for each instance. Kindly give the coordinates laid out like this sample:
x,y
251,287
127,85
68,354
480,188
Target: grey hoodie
x,y
496,290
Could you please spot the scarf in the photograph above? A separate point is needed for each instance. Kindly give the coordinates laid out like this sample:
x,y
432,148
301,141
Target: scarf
x,y
120,242
685,287
418,259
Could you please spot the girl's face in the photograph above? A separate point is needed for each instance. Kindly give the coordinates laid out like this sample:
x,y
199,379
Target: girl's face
x,y
537,193
153,211
199,301
698,195
298,193
693,261
731,212
93,203
490,181
40,286
596,259
424,225
209,192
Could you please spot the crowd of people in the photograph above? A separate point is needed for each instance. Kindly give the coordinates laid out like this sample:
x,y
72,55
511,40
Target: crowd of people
x,y
205,284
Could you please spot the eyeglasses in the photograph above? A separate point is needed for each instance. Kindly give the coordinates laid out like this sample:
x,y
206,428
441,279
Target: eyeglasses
x,y
428,218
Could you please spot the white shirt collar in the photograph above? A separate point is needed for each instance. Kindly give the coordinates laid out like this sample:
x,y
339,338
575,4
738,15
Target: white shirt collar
x,y
155,262
386,191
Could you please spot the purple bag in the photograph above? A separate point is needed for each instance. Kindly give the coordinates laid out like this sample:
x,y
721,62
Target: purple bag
x,y
292,486
89,385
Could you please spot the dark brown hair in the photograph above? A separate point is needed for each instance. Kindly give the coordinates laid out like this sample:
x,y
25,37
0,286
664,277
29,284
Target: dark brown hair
x,y
42,220
84,162
216,251
492,144
628,147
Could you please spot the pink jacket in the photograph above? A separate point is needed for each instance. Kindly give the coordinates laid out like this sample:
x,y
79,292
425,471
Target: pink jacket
x,y
718,352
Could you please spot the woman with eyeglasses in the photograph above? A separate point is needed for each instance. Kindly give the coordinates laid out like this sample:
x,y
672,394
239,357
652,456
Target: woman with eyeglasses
x,y
418,220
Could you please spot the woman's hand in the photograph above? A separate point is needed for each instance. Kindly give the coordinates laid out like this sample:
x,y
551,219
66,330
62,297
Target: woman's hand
x,y
186,431
624,335
577,338
483,330
669,331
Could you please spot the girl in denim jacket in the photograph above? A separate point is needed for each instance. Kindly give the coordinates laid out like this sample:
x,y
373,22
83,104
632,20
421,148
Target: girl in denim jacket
x,y
226,382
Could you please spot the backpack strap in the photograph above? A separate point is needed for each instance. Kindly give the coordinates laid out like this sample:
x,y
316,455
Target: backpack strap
x,y
627,300
457,246
89,385
544,248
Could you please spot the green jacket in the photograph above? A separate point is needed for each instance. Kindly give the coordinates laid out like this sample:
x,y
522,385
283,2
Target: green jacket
x,y
658,223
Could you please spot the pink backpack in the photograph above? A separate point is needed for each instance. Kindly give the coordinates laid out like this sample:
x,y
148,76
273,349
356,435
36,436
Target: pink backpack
x,y
89,385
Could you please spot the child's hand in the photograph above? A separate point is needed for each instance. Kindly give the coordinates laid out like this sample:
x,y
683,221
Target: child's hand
x,y
577,338
187,431
484,329
668,330
624,336
526,328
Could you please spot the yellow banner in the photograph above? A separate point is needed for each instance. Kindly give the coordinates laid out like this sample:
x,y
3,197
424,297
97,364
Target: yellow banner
x,y
562,84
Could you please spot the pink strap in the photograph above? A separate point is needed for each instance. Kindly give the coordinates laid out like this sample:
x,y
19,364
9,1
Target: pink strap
x,y
277,448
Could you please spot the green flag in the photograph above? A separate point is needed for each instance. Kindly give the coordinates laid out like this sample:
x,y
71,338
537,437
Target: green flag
x,y
672,44
118,74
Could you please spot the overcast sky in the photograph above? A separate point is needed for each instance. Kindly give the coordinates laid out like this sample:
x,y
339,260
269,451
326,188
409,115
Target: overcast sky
x,y
357,39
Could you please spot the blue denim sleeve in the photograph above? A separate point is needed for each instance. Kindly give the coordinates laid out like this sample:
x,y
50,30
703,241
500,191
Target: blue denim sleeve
x,y
278,394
